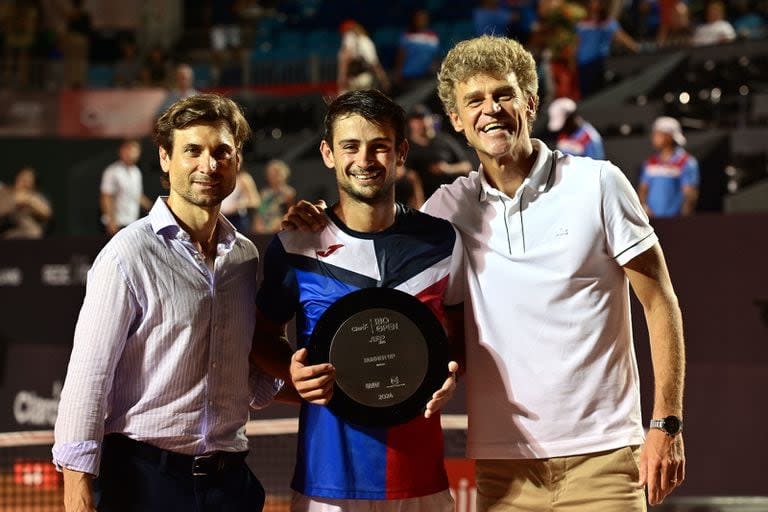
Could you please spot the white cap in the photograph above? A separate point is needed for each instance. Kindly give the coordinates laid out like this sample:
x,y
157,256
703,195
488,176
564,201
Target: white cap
x,y
671,126
558,111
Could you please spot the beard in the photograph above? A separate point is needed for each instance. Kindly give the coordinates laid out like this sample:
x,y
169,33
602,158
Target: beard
x,y
371,195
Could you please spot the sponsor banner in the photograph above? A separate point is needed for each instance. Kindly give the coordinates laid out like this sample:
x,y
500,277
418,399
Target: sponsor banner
x,y
27,114
30,385
109,113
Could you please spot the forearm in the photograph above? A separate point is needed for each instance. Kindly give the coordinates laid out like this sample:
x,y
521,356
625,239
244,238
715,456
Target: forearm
x,y
690,197
665,328
108,208
78,491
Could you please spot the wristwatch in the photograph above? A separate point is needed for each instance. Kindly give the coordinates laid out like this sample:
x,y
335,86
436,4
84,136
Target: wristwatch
x,y
671,425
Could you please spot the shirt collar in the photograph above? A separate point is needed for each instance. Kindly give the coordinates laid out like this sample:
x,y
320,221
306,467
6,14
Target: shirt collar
x,y
165,224
539,179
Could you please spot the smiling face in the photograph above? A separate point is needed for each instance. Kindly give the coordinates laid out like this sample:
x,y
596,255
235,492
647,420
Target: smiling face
x,y
365,157
202,167
494,115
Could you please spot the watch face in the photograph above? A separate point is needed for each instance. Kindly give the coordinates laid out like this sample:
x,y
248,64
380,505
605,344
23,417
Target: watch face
x,y
672,424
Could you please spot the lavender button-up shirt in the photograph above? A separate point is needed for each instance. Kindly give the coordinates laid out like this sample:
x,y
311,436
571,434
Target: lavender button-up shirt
x,y
161,346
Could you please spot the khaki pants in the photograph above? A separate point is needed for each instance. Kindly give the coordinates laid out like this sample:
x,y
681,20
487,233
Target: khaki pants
x,y
603,481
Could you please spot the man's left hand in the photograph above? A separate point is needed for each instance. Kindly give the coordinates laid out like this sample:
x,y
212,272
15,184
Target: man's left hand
x,y
662,464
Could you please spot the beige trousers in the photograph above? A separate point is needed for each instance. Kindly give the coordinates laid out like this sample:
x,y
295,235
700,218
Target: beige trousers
x,y
603,481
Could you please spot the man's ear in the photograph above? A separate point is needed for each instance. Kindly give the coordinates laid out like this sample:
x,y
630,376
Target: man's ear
x,y
327,153
456,121
402,152
531,108
165,159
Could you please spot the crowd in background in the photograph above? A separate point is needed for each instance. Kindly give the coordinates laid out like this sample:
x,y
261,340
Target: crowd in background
x,y
48,44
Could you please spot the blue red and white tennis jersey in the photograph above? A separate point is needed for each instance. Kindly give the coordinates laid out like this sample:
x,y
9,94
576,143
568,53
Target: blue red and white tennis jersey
x,y
666,179
585,141
304,274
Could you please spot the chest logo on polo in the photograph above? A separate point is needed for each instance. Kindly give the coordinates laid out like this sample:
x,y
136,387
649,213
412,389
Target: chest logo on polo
x,y
330,250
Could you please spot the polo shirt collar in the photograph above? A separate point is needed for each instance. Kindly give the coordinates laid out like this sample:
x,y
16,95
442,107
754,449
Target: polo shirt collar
x,y
164,223
538,180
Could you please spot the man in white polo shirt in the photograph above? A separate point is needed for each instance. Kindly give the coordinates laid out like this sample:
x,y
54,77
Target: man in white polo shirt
x,y
553,243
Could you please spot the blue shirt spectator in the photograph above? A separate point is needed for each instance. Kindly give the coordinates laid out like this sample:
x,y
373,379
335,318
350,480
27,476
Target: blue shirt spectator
x,y
669,179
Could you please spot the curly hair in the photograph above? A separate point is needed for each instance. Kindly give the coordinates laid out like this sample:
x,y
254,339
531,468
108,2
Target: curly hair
x,y
490,55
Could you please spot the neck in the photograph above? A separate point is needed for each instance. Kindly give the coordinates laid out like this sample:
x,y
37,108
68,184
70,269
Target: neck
x,y
365,217
667,151
199,221
508,172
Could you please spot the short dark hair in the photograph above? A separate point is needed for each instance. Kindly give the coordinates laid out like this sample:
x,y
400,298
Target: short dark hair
x,y
370,104
201,109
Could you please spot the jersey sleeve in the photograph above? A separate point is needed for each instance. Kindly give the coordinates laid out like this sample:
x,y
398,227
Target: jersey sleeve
x,y
277,295
627,229
454,295
691,172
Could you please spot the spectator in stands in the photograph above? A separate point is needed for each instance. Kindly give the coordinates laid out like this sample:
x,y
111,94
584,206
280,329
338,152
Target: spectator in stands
x,y
408,188
716,29
275,199
20,20
239,206
436,157
491,18
183,86
677,30
76,45
747,21
156,69
669,180
28,210
358,62
555,39
575,136
122,190
597,32
418,54
225,24
154,405
128,66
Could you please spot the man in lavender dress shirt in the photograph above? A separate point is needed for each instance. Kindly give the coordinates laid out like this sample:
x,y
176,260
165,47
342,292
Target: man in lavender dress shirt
x,y
154,406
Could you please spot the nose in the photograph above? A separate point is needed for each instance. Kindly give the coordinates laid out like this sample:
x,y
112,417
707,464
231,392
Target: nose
x,y
491,107
365,157
208,163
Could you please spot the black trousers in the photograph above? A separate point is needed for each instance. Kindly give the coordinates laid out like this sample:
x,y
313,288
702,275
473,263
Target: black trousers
x,y
137,477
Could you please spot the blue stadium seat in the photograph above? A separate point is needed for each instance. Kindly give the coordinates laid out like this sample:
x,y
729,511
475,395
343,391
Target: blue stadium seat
x,y
100,76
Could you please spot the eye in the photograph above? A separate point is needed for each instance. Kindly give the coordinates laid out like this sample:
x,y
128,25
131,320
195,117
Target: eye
x,y
222,154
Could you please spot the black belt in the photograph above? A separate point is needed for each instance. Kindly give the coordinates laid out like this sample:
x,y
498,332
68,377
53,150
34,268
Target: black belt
x,y
194,465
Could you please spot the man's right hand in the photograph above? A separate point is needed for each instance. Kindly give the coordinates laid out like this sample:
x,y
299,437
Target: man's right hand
x,y
314,383
305,216
78,491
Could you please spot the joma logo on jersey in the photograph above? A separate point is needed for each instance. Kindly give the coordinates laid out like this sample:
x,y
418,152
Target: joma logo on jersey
x,y
330,250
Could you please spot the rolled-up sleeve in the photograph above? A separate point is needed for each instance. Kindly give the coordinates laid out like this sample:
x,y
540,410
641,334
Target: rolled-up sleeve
x,y
108,311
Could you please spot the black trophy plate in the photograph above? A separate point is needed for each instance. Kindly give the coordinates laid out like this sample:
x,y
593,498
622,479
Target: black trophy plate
x,y
390,353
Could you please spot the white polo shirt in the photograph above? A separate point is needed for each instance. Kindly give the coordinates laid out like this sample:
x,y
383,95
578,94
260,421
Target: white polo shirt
x,y
124,182
551,369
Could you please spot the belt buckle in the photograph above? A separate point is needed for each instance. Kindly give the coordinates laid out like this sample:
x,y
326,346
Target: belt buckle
x,y
201,466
